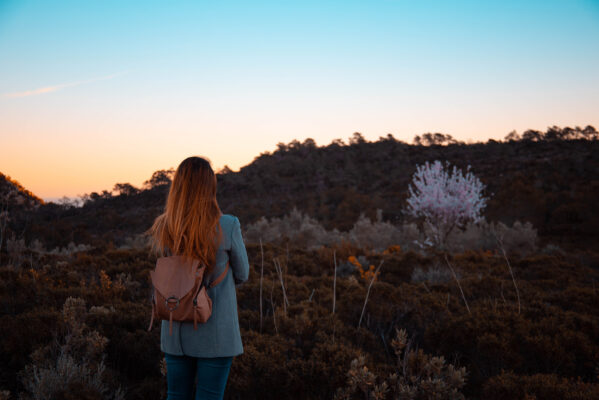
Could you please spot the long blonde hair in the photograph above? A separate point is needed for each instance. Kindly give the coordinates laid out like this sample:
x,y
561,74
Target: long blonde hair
x,y
190,224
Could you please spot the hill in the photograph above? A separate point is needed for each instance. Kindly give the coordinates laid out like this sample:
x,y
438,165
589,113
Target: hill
x,y
14,195
548,179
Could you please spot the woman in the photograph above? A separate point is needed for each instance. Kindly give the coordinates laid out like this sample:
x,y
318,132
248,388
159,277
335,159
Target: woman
x,y
194,225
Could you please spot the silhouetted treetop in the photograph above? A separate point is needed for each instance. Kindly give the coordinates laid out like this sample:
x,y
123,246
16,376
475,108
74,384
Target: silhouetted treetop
x,y
555,133
159,178
433,139
126,189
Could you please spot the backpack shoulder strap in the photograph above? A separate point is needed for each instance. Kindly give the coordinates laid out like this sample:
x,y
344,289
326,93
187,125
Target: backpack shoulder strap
x,y
220,277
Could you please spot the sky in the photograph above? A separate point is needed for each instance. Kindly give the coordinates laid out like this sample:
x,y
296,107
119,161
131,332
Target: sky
x,y
94,93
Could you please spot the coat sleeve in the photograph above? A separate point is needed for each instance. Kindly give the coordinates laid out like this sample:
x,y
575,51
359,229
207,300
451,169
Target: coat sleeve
x,y
238,255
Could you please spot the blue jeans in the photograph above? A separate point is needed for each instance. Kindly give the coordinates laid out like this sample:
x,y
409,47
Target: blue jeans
x,y
211,373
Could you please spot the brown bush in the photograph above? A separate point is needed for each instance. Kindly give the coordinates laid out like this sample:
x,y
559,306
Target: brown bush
x,y
508,385
555,333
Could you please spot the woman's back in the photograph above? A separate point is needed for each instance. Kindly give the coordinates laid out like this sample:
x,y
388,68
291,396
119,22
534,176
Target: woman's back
x,y
220,335
191,222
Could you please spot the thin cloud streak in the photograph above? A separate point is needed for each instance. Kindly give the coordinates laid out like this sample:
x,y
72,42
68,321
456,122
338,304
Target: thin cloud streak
x,y
50,89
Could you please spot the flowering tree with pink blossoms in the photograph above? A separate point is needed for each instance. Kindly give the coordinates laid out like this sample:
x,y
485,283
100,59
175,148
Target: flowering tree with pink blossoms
x,y
444,200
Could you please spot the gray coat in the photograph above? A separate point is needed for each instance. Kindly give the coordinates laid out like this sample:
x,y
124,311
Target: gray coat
x,y
220,335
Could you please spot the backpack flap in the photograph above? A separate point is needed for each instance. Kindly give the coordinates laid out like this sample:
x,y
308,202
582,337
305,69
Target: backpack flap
x,y
174,277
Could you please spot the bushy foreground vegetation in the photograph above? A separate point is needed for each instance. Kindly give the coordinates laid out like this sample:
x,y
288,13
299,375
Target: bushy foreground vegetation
x,y
347,298
74,326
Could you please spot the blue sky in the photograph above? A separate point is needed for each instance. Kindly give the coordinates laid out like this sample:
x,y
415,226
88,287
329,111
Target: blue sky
x,y
98,92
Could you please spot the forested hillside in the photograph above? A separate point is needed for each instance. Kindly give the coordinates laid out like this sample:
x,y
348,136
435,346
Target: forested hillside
x,y
546,178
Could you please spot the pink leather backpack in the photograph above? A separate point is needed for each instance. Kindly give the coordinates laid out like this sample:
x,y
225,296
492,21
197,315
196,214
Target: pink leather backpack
x,y
179,291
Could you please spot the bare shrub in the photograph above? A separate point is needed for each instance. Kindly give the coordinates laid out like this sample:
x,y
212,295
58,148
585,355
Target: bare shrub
x,y
302,229
409,236
15,248
37,246
308,232
137,242
474,236
520,239
125,282
417,376
71,248
101,310
552,249
263,229
52,380
376,235
72,365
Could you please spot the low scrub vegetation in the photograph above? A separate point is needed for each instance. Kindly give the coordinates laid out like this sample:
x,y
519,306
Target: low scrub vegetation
x,y
74,325
304,231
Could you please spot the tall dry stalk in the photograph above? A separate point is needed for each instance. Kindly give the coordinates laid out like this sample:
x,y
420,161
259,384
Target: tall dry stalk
x,y
500,243
457,280
274,312
286,265
334,292
512,274
261,276
280,273
334,280
368,291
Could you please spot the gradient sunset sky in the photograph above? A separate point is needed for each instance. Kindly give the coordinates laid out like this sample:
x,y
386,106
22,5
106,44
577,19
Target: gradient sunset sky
x,y
98,92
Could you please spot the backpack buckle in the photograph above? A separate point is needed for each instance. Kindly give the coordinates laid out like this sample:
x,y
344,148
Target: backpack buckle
x,y
169,300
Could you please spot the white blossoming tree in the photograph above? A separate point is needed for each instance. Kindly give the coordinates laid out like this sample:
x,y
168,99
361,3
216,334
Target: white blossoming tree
x,y
445,200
